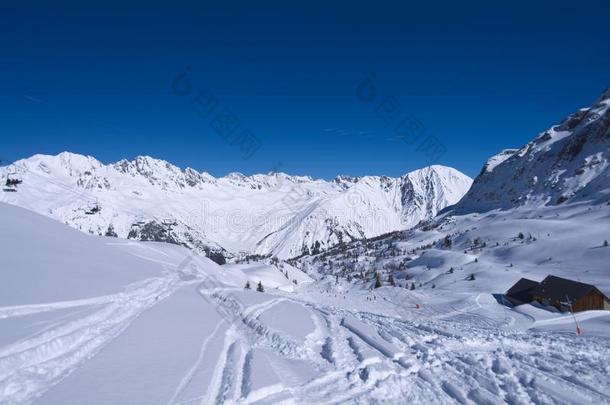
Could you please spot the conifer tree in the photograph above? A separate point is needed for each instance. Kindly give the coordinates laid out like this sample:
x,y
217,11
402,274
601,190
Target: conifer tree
x,y
377,280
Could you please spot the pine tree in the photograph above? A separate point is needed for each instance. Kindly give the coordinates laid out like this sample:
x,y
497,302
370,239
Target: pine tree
x,y
448,242
260,288
377,280
605,243
247,286
412,287
391,280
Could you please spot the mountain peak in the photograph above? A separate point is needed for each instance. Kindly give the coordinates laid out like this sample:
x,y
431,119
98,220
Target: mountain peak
x,y
568,162
269,214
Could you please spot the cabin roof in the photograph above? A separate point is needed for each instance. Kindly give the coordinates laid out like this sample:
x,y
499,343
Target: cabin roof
x,y
556,289
524,285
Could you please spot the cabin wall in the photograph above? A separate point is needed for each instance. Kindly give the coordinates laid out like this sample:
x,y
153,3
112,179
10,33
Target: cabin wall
x,y
593,300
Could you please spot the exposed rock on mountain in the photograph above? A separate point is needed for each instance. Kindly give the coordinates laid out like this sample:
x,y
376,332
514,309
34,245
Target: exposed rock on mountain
x,y
566,163
278,214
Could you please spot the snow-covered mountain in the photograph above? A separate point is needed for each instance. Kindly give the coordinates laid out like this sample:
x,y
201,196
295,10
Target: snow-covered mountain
x,y
74,307
539,210
279,214
568,162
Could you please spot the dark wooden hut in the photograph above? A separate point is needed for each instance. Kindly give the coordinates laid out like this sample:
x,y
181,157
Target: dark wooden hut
x,y
521,292
564,294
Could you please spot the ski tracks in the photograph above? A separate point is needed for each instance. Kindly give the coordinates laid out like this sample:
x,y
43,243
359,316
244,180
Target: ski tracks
x,y
368,357
30,367
359,357
230,382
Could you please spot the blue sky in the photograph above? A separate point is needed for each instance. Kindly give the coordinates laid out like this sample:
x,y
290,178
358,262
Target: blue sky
x,y
473,77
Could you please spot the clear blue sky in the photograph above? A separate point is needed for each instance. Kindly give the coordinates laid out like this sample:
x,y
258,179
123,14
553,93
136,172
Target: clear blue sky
x,y
480,77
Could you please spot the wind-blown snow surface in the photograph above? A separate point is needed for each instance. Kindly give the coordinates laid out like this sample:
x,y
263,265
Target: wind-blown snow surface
x,y
150,199
167,327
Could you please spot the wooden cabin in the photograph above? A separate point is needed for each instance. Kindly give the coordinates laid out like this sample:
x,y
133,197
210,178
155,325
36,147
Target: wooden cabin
x,y
521,292
564,294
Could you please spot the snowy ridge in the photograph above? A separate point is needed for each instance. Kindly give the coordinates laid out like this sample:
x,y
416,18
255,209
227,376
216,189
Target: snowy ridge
x,y
566,163
278,214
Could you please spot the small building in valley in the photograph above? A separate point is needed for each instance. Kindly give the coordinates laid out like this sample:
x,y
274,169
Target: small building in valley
x,y
521,292
562,293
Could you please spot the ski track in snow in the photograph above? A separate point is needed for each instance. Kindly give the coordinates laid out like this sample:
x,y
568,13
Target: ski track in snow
x,y
46,358
360,357
424,360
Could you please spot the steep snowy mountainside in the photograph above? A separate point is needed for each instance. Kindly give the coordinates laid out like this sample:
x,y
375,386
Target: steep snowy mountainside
x,y
495,248
373,205
427,191
278,214
566,163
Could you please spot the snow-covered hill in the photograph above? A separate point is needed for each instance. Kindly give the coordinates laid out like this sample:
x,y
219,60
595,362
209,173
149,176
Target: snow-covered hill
x,y
568,162
278,214
98,320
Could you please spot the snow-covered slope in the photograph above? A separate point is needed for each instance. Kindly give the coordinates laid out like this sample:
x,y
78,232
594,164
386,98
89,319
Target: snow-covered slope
x,y
65,296
150,199
45,261
115,321
568,162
